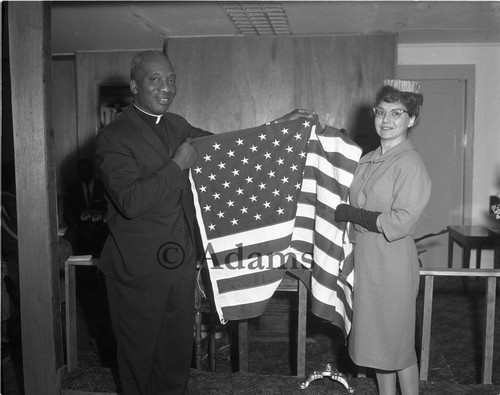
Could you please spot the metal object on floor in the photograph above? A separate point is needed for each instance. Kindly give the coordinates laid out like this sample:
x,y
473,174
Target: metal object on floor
x,y
328,372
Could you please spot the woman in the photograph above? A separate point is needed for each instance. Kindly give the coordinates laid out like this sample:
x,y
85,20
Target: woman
x,y
388,194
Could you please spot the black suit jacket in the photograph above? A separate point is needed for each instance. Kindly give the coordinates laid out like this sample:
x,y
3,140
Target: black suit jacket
x,y
150,199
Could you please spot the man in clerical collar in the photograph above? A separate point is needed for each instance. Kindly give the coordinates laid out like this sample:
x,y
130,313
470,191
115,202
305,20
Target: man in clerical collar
x,y
149,259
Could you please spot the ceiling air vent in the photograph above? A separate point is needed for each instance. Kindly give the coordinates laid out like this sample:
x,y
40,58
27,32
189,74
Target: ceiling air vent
x,y
258,18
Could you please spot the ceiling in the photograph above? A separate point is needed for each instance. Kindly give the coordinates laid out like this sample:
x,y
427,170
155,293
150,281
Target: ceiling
x,y
131,25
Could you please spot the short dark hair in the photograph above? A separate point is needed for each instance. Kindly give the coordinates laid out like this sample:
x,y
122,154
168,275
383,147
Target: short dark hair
x,y
412,101
136,63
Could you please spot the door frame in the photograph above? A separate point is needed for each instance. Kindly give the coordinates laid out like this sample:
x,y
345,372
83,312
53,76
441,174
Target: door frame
x,y
465,72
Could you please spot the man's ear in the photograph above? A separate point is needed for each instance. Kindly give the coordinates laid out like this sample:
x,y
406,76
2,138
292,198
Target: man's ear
x,y
133,86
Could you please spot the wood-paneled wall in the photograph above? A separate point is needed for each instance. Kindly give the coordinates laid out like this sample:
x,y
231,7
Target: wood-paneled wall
x,y
238,82
339,77
64,119
230,83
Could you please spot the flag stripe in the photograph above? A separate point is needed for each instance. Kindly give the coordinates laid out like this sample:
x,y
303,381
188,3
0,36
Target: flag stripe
x,y
242,252
331,315
330,148
324,195
330,296
319,179
248,295
257,236
244,310
322,169
251,280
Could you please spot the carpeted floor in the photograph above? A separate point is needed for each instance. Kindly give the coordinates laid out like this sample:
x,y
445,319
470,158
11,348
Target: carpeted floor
x,y
455,353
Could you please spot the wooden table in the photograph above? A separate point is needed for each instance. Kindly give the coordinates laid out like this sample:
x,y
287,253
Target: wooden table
x,y
490,299
473,238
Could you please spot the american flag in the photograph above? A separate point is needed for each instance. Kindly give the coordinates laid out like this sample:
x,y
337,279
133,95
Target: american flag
x,y
258,197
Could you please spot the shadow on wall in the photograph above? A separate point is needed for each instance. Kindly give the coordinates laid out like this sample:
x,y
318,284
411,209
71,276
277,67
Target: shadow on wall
x,y
363,132
68,164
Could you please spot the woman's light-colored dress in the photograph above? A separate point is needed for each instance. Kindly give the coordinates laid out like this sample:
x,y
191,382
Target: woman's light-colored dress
x,y
386,273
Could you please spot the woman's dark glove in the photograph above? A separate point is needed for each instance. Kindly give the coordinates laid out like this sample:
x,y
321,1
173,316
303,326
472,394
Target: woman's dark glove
x,y
367,219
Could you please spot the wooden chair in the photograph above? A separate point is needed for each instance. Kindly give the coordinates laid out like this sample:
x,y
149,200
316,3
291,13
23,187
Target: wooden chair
x,y
70,306
420,251
204,305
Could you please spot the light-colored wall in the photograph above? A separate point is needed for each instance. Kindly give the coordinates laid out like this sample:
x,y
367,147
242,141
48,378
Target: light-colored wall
x,y
486,152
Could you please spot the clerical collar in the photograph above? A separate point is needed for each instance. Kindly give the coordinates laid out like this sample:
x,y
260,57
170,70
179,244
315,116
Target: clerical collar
x,y
158,117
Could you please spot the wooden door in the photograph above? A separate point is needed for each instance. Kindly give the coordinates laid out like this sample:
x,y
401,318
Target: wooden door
x,y
440,137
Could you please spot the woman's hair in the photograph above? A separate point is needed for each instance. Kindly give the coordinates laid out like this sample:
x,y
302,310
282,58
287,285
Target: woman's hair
x,y
412,101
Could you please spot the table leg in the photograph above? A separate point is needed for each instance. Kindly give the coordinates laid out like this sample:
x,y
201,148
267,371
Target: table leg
x,y
301,329
478,258
450,251
243,345
197,337
212,346
466,264
489,335
426,328
71,330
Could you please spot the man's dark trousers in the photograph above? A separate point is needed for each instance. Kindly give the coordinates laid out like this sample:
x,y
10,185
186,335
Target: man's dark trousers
x,y
138,316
